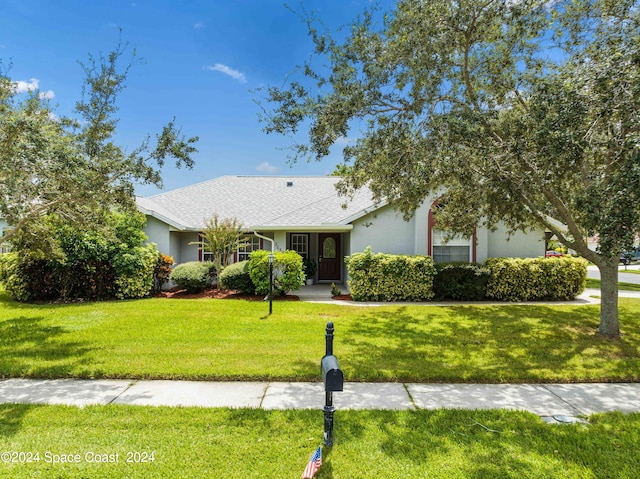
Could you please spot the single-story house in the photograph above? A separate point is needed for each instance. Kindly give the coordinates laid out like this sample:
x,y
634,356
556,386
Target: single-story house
x,y
306,214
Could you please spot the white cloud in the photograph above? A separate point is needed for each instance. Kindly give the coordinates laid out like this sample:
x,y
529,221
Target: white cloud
x,y
267,168
198,26
235,74
22,86
46,95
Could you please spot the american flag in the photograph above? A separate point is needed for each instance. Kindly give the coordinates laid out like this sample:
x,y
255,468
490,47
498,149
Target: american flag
x,y
314,464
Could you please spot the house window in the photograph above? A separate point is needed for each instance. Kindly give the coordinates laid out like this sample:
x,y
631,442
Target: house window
x,y
206,255
300,244
249,244
457,249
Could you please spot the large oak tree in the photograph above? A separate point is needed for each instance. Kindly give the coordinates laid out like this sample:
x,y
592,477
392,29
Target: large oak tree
x,y
74,168
523,111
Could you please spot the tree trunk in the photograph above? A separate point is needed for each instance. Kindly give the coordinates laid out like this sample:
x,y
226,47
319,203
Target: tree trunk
x,y
609,325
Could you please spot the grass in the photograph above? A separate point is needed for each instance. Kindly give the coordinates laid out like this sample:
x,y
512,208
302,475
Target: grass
x,y
233,340
595,284
253,443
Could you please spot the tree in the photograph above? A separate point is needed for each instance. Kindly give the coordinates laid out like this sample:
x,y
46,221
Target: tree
x,y
520,111
222,238
73,168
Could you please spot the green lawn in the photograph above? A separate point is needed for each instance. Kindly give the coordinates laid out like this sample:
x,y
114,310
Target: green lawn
x,y
595,284
233,340
245,443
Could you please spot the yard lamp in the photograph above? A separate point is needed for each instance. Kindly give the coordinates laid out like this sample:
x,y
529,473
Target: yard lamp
x,y
270,283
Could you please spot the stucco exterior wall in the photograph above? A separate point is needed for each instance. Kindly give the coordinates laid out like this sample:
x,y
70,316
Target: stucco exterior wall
x,y
158,232
520,245
385,231
188,252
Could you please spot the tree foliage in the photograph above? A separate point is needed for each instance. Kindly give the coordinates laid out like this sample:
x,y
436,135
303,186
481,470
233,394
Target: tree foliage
x,y
81,264
72,167
221,237
519,111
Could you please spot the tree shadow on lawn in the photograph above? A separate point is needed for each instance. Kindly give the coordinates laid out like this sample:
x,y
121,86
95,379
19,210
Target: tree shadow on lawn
x,y
482,444
486,344
11,417
32,347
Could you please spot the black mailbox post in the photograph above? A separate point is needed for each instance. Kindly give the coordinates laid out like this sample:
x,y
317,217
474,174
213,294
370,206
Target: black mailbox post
x,y
333,380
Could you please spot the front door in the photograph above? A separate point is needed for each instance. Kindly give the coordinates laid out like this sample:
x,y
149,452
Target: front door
x,y
329,257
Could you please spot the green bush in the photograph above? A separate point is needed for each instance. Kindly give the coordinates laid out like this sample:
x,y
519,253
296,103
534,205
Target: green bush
x,y
388,277
236,276
134,271
288,271
15,281
193,276
539,279
99,263
461,281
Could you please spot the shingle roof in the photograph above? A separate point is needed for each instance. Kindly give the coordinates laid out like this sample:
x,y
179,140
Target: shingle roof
x,y
268,202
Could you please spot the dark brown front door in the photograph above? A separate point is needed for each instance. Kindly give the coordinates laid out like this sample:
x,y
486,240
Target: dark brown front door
x,y
329,257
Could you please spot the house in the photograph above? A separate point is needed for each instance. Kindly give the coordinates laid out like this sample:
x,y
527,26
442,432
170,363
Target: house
x,y
306,214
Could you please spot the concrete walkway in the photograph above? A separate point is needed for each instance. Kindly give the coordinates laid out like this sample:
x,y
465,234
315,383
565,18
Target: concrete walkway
x,y
545,400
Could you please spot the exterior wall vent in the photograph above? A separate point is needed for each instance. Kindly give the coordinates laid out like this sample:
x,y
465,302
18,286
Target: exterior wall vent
x,y
289,183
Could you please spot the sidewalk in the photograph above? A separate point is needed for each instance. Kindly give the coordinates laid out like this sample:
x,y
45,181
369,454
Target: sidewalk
x,y
545,400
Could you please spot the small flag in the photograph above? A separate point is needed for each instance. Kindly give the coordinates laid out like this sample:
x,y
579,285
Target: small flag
x,y
314,464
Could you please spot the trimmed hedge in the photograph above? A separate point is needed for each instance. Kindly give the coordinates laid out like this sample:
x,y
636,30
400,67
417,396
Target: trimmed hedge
x,y
461,281
134,271
389,277
288,271
539,279
194,276
236,276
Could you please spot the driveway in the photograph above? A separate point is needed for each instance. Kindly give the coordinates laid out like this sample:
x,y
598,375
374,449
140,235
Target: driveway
x,y
594,273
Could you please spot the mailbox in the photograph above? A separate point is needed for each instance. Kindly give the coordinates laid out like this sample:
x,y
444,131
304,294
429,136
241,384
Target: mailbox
x,y
331,374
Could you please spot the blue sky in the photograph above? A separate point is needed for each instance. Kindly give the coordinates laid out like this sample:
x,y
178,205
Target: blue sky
x,y
202,62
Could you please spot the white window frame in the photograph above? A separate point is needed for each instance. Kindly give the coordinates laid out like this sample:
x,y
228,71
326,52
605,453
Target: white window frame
x,y
300,244
444,249
250,243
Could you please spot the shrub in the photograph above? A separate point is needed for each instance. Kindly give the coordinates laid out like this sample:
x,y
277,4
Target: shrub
x,y
102,262
554,279
134,271
15,280
387,277
162,272
461,281
236,276
310,267
288,272
193,276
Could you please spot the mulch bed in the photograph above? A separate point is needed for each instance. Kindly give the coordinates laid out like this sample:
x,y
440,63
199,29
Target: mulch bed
x,y
214,293
343,297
